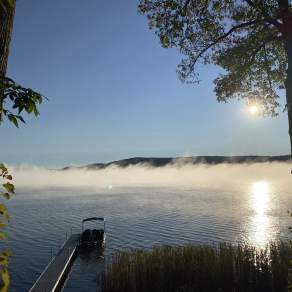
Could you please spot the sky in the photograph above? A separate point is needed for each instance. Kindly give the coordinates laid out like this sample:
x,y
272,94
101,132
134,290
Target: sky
x,y
114,92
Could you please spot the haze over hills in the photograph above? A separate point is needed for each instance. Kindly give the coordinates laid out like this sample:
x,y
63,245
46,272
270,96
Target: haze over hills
x,y
163,161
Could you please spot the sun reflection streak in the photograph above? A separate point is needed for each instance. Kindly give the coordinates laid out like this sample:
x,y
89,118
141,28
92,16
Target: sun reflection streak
x,y
260,204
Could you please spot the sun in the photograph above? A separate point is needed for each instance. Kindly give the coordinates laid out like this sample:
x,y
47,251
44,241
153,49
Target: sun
x,y
253,109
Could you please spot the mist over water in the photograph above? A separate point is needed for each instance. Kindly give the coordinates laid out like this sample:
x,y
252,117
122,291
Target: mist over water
x,y
144,206
176,175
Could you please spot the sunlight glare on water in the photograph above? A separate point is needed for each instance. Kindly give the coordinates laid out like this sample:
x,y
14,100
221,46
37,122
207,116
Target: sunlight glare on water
x,y
260,204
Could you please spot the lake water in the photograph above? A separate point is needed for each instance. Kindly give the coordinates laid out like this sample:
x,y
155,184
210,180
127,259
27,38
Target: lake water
x,y
167,206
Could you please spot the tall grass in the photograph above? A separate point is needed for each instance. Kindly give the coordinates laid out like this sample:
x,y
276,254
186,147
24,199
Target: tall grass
x,y
202,268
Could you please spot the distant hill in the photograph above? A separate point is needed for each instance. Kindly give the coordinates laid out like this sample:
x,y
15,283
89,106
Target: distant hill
x,y
163,161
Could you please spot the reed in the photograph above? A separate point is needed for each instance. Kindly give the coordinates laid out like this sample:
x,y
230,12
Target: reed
x,y
202,268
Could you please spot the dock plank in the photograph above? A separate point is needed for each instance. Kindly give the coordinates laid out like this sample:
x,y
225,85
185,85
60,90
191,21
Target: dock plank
x,y
53,276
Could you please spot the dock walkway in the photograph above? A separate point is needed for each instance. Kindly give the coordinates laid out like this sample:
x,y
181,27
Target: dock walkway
x,y
53,277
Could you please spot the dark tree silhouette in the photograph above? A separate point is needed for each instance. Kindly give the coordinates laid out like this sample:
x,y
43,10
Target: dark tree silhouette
x,y
250,39
6,19
7,10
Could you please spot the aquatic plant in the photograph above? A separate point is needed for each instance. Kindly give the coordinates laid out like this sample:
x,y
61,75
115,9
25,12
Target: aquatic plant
x,y
204,268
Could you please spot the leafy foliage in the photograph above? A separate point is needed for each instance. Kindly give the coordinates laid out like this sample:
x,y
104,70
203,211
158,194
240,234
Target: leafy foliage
x,y
246,38
6,192
4,3
16,99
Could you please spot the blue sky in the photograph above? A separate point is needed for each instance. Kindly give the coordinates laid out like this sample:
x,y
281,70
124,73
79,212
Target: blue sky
x,y
114,92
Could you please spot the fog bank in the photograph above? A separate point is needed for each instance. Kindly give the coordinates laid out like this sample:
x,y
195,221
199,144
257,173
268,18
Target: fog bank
x,y
174,176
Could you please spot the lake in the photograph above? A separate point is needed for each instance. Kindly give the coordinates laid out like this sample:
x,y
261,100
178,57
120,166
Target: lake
x,y
144,207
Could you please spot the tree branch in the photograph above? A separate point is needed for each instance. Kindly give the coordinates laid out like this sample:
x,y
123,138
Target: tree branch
x,y
267,67
262,45
268,18
222,37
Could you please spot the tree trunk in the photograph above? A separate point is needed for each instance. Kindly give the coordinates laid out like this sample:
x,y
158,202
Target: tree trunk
x,y
6,20
289,89
7,10
286,30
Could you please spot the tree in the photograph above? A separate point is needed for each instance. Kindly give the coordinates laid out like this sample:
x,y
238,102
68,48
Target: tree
x,y
7,10
250,39
6,16
14,99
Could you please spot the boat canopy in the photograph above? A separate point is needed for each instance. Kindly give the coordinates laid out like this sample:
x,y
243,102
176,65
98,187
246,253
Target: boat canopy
x,y
94,219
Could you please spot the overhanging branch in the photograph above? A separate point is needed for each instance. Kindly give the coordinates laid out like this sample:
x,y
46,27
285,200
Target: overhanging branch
x,y
268,17
222,37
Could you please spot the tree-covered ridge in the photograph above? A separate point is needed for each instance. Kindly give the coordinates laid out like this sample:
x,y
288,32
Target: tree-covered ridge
x,y
181,161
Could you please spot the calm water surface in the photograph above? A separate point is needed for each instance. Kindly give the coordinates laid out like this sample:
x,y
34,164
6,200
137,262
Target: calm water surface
x,y
139,217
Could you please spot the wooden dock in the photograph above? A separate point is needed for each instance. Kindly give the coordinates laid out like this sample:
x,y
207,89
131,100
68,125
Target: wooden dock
x,y
54,275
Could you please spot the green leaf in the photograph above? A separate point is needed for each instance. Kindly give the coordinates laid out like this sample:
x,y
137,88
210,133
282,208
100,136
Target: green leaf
x,y
21,119
5,280
2,235
7,253
9,187
3,167
35,110
13,119
5,195
2,209
4,259
21,98
6,216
